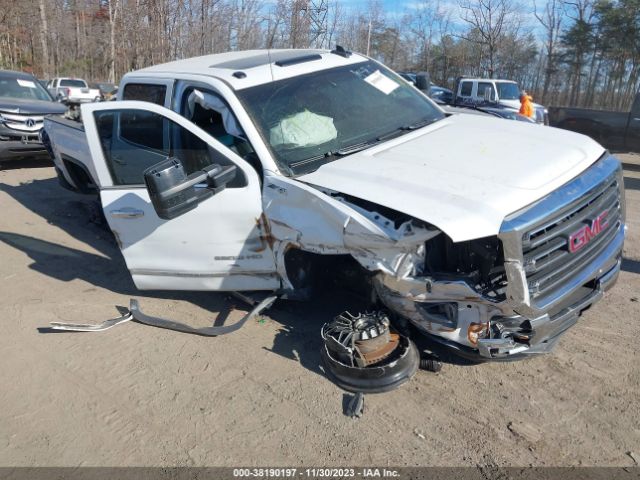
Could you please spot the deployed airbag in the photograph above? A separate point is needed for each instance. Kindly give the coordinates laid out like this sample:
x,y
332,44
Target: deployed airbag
x,y
303,129
212,102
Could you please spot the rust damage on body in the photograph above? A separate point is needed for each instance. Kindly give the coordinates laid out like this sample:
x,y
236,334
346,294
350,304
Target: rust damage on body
x,y
266,236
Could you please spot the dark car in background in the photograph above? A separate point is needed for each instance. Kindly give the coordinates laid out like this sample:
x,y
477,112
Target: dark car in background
x,y
507,113
408,76
23,104
489,109
441,94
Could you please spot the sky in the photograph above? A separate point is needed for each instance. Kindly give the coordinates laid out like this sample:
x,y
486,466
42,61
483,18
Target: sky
x,y
397,8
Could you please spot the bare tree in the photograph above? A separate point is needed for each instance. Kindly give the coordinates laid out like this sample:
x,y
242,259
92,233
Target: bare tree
x,y
114,9
44,38
551,20
490,20
422,25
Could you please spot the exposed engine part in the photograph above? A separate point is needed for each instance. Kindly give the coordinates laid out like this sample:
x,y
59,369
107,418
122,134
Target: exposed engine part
x,y
362,354
430,364
479,262
355,409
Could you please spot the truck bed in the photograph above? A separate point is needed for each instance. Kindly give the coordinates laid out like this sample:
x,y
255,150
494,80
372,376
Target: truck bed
x,y
605,126
613,129
71,154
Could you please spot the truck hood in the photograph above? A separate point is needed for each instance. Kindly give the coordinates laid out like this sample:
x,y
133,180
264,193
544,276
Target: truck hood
x,y
30,107
463,174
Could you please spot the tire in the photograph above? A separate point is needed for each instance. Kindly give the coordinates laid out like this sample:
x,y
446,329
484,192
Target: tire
x,y
379,378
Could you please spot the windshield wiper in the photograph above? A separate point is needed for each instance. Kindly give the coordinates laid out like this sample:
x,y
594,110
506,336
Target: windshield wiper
x,y
352,148
420,124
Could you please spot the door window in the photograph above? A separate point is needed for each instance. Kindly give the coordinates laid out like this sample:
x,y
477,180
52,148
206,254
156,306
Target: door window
x,y
482,86
134,140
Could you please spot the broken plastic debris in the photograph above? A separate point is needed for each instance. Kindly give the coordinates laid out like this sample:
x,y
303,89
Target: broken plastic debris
x,y
136,314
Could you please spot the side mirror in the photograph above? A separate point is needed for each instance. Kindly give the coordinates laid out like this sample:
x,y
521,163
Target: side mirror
x,y
423,82
174,193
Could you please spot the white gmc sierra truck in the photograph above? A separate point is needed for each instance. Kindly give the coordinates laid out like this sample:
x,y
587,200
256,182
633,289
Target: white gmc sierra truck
x,y
272,170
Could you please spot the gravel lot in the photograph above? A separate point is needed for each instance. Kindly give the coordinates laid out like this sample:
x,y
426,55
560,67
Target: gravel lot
x,y
137,395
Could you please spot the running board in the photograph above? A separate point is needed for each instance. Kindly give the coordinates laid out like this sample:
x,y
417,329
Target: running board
x,y
136,314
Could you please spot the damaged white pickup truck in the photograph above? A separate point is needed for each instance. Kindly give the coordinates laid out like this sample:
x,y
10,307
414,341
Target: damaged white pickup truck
x,y
263,170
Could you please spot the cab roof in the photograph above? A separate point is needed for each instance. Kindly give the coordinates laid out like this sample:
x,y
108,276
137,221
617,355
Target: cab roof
x,y
500,80
253,67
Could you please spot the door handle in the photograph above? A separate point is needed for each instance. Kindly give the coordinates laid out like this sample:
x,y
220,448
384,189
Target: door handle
x,y
127,213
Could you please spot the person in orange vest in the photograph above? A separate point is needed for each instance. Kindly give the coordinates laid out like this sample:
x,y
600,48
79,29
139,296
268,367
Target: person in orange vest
x,y
526,105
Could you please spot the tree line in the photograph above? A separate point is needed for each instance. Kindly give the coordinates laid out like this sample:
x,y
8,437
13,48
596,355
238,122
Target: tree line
x,y
566,52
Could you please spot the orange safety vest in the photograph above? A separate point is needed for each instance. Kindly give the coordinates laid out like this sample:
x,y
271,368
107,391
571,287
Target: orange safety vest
x,y
526,107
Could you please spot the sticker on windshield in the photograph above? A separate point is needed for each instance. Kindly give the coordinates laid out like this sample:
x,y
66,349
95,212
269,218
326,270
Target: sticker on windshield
x,y
382,83
26,83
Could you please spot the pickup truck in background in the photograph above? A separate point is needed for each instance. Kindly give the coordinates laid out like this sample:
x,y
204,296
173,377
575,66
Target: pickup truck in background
x,y
254,171
614,130
73,91
493,93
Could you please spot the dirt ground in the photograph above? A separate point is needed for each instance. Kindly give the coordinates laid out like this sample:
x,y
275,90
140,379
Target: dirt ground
x,y
137,395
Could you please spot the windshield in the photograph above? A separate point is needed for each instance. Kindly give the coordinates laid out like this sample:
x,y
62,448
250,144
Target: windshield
x,y
313,119
68,82
508,91
25,87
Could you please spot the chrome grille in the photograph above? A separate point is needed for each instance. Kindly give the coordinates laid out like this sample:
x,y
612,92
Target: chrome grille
x,y
22,123
547,259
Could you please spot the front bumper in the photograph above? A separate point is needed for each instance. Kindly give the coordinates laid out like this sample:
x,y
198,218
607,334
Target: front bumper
x,y
526,320
21,149
20,140
521,336
80,99
546,330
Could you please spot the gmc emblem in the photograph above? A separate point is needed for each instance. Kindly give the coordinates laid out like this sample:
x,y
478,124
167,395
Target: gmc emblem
x,y
580,238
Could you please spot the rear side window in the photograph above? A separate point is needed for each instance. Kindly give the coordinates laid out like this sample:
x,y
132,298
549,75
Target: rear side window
x,y
145,92
465,89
